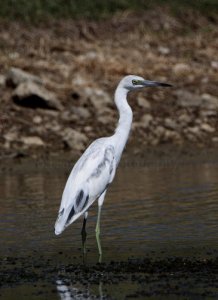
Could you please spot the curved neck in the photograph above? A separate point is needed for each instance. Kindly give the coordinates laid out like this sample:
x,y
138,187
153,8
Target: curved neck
x,y
125,119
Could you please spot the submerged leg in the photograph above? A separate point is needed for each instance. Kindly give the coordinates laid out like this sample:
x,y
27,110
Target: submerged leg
x,y
97,229
83,233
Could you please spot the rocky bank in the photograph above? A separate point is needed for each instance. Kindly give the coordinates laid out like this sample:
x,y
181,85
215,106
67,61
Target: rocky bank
x,y
57,82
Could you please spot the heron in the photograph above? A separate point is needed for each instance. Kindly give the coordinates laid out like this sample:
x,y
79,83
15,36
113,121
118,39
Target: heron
x,y
95,170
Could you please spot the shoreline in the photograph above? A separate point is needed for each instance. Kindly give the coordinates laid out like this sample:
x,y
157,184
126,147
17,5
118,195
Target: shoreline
x,y
153,157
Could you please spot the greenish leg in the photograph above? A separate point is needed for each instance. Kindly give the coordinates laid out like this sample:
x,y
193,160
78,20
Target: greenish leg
x,y
97,231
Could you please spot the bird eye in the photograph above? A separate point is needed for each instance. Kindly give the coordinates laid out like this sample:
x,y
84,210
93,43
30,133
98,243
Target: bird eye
x,y
134,82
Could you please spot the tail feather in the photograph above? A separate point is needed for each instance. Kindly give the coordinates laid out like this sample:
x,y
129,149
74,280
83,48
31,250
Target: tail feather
x,y
73,211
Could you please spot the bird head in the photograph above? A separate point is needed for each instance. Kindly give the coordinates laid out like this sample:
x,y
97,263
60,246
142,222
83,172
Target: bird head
x,y
132,82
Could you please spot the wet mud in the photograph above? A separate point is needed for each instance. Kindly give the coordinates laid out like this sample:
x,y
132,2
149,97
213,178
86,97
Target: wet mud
x,y
175,276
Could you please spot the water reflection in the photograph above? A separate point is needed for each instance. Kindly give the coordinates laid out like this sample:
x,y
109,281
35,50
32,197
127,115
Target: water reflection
x,y
68,291
145,207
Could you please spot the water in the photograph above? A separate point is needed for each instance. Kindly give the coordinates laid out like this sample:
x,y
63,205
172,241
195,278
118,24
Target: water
x,y
164,209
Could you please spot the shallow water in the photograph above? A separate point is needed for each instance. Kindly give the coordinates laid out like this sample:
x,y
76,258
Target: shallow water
x,y
156,209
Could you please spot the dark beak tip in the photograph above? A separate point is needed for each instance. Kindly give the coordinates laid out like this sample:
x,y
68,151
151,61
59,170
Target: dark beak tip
x,y
166,85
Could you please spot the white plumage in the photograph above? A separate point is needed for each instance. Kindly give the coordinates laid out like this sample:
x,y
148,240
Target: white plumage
x,y
96,168
91,174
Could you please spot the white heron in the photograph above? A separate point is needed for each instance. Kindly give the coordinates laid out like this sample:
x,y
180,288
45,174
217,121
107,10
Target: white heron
x,y
96,168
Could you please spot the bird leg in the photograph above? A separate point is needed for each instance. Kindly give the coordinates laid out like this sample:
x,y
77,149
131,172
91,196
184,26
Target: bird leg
x,y
97,231
83,233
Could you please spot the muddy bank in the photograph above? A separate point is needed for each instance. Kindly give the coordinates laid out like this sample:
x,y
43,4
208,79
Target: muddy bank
x,y
175,276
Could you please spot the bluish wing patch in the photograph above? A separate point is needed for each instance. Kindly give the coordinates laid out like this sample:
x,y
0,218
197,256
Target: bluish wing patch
x,y
107,159
103,159
71,214
79,198
80,204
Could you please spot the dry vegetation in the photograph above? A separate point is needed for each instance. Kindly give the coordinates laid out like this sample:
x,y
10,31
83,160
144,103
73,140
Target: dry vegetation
x,y
81,62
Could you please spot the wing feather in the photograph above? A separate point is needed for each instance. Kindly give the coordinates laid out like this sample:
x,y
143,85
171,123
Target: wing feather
x,y
88,179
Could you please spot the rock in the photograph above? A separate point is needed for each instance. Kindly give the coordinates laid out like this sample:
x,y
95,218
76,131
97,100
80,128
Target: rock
x,y
82,112
205,79
37,119
191,137
90,56
2,80
181,69
197,121
146,120
53,126
98,98
170,135
184,119
29,94
142,102
106,120
69,116
208,113
159,131
163,50
38,130
7,145
194,130
32,141
11,136
88,129
79,80
207,128
154,141
17,76
48,113
210,102
170,124
214,65
76,114
13,55
73,139
215,139
187,99
136,126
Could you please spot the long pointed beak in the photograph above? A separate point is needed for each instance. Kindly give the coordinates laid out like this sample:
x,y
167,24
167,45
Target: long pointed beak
x,y
155,83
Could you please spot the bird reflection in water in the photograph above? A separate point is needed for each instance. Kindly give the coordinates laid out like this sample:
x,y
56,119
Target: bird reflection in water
x,y
67,291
